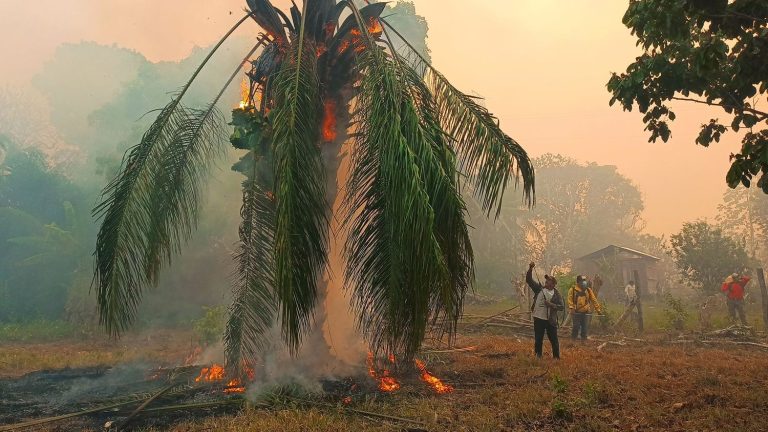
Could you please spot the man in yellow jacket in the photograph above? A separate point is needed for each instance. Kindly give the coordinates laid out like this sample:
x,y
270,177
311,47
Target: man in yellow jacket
x,y
581,303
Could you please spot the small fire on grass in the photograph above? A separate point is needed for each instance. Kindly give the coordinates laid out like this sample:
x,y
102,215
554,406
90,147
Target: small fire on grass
x,y
217,373
387,383
431,380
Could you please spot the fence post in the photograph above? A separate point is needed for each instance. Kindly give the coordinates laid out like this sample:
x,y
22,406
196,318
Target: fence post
x,y
764,292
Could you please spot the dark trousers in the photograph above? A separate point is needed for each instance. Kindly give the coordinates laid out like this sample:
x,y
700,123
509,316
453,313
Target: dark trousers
x,y
541,326
735,306
580,325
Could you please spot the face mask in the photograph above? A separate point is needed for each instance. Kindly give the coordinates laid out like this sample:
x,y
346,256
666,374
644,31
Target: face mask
x,y
583,284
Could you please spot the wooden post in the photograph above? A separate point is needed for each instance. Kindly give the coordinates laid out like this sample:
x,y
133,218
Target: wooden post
x,y
764,292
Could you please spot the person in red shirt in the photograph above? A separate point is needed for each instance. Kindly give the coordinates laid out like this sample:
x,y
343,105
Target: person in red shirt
x,y
733,287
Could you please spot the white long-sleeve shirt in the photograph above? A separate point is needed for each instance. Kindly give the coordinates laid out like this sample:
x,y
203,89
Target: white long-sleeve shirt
x,y
631,293
540,310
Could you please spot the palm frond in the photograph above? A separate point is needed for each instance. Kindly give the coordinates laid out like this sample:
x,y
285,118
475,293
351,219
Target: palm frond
x,y
301,222
440,174
176,192
129,245
486,154
394,257
253,309
126,213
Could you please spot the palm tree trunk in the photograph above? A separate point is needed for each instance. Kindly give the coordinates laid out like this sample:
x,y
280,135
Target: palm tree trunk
x,y
334,334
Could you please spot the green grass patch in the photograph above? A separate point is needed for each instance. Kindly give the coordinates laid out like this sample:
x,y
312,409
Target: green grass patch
x,y
38,331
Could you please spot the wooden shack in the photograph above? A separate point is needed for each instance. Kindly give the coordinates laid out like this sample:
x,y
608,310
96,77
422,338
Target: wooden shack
x,y
617,265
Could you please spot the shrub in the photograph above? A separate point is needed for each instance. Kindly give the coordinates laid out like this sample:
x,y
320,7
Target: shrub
x,y
675,313
210,327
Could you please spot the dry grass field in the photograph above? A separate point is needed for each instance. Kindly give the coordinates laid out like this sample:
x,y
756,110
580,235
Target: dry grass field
x,y
499,386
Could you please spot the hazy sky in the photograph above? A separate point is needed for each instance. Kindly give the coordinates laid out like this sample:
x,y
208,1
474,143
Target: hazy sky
x,y
542,65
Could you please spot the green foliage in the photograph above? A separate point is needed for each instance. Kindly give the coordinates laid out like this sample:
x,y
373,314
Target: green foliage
x,y
704,256
709,52
559,384
743,216
675,312
301,227
210,326
595,395
37,331
414,134
43,235
561,410
607,319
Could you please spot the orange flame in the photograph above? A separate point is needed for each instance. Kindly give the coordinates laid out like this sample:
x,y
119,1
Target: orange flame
x,y
432,380
213,373
374,27
245,94
386,382
235,386
216,373
329,121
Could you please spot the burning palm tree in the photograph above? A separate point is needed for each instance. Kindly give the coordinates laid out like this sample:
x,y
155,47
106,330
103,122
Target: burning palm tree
x,y
319,72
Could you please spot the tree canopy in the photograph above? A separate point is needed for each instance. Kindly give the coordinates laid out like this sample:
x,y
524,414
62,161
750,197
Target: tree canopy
x,y
708,52
705,256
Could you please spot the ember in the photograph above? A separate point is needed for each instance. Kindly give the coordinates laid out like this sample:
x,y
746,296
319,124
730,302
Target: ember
x,y
432,380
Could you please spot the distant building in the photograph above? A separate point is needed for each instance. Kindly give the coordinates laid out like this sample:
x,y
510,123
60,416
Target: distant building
x,y
618,265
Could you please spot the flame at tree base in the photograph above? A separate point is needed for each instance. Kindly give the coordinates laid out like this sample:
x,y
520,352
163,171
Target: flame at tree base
x,y
216,373
386,382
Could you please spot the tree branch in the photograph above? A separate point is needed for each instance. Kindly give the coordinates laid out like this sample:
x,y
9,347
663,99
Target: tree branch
x,y
761,115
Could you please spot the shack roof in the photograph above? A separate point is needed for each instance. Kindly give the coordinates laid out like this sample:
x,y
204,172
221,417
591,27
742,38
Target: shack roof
x,y
613,250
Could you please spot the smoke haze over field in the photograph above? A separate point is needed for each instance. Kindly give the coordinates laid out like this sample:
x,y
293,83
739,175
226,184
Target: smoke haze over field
x,y
541,64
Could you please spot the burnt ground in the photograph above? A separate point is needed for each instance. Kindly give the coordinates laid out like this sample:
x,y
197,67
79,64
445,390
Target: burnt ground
x,y
499,386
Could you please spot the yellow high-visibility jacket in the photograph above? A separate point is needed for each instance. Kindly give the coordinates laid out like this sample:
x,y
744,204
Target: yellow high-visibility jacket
x,y
582,300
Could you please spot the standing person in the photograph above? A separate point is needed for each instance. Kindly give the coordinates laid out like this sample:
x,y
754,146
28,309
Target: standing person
x,y
632,294
581,302
546,302
630,291
733,287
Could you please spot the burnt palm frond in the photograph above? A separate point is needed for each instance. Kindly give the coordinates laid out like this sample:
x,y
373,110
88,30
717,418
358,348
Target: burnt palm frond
x,y
265,14
301,222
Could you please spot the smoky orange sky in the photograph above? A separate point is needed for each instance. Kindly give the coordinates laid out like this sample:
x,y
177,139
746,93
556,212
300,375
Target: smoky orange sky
x,y
542,66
